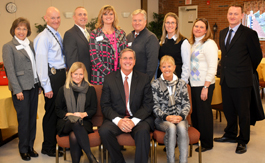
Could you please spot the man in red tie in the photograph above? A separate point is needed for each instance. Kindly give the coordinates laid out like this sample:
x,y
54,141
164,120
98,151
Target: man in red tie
x,y
127,105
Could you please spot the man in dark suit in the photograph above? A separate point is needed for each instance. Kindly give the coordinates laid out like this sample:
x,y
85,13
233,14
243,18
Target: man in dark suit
x,y
127,105
75,42
241,54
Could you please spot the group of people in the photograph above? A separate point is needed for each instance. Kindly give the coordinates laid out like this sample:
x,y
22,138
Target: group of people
x,y
126,65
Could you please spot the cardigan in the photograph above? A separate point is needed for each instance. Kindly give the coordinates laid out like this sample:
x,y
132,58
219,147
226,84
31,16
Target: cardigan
x,y
102,53
203,61
182,102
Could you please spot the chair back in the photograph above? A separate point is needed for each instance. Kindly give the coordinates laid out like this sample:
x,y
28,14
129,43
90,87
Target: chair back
x,y
97,119
189,115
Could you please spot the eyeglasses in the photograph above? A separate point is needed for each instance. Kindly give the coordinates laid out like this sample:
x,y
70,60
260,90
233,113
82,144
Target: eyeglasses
x,y
172,23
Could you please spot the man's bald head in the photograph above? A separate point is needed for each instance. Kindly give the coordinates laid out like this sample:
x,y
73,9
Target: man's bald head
x,y
52,17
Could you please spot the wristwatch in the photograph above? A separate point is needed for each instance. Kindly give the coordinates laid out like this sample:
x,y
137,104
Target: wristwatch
x,y
205,87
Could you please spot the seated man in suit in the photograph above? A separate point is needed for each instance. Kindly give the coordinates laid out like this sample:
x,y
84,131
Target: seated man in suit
x,y
127,105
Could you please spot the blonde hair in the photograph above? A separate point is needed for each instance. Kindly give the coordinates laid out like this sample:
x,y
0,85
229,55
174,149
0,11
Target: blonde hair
x,y
208,33
75,66
139,11
102,11
168,59
164,32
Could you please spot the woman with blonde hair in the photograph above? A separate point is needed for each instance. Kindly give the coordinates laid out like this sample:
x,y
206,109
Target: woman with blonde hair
x,y
106,43
204,57
76,103
171,107
174,44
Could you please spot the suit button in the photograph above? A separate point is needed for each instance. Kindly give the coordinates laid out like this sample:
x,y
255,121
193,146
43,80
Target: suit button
x,y
226,56
224,66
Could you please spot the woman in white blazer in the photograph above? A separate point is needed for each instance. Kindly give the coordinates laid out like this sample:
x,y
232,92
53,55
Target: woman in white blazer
x,y
19,62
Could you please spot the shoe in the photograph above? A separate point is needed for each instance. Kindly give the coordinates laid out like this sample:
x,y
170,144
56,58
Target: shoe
x,y
92,158
33,153
203,149
241,148
225,139
51,152
25,156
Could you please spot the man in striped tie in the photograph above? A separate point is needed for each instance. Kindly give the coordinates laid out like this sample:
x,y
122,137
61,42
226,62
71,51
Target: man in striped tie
x,y
127,105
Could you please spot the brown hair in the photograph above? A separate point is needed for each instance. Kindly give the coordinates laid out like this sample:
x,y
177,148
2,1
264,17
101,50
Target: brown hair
x,y
20,21
164,32
208,33
126,50
107,9
236,5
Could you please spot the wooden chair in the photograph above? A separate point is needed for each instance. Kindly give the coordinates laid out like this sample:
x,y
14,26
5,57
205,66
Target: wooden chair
x,y
94,138
194,135
219,109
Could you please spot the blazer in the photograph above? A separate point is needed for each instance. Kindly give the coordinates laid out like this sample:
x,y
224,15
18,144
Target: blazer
x,y
76,48
241,58
141,98
146,47
90,109
18,67
102,53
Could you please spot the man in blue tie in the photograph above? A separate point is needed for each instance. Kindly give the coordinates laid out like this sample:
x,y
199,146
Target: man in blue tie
x,y
51,71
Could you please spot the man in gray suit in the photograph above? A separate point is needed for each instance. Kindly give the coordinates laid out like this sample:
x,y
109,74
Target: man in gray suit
x,y
144,43
76,39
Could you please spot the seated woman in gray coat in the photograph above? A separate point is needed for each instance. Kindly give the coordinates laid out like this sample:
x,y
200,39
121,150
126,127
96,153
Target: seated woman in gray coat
x,y
171,108
75,105
19,61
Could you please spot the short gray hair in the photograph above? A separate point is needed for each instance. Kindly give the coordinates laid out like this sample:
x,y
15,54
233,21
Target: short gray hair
x,y
139,11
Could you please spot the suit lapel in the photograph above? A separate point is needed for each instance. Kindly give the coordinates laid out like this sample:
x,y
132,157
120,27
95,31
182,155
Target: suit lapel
x,y
133,86
23,51
80,34
120,87
236,36
223,38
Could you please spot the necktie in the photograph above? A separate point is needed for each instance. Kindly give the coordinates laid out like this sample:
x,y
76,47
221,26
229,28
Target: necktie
x,y
87,35
228,39
126,90
60,41
136,34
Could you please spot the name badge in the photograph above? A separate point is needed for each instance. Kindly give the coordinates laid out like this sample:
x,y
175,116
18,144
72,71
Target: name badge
x,y
19,47
99,38
130,44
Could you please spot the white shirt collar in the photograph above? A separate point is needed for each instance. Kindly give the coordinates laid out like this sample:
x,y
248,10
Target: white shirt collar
x,y
174,77
197,39
123,76
82,29
173,37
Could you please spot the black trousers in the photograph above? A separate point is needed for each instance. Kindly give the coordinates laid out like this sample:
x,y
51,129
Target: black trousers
x,y
236,103
140,133
26,116
50,117
202,116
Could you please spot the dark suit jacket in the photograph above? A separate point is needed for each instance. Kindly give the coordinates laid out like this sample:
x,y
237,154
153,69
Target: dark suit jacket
x,y
241,59
76,48
141,97
18,67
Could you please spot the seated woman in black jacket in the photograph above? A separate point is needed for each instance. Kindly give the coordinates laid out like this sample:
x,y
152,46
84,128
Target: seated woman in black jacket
x,y
76,103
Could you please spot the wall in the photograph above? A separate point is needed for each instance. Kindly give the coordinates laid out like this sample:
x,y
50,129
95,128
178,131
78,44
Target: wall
x,y
33,10
215,12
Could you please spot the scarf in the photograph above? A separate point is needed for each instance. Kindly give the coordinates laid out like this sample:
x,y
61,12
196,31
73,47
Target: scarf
x,y
164,84
71,104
